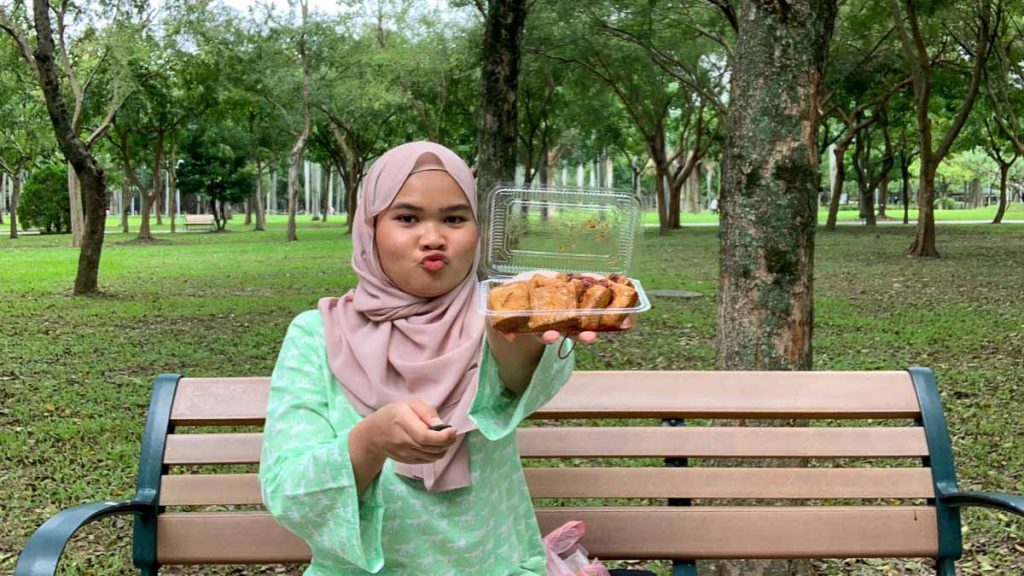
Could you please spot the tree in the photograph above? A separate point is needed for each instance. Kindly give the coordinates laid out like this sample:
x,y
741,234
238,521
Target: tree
x,y
498,105
87,170
44,203
668,93
769,188
212,167
919,63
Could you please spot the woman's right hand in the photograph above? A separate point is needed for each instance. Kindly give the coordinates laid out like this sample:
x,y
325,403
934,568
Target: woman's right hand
x,y
401,431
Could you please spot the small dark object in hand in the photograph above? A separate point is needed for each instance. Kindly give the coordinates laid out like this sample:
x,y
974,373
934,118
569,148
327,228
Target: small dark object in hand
x,y
440,427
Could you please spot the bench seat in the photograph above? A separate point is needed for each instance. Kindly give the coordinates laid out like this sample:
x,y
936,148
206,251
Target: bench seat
x,y
659,465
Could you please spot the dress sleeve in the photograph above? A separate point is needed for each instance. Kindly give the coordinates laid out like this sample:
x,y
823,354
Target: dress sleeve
x,y
306,477
497,411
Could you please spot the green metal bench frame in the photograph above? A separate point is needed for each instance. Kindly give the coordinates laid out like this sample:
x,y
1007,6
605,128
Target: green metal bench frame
x,y
43,551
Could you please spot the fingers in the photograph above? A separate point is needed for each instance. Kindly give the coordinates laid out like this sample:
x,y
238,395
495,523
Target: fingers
x,y
587,337
426,413
417,427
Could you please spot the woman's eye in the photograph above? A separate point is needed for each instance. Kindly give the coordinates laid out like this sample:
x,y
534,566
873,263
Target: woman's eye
x,y
455,219
406,218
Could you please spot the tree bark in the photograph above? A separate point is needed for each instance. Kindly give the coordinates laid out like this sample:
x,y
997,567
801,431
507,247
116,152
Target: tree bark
x,y
151,198
837,186
126,205
77,215
497,109
172,190
3,196
90,175
16,179
261,218
1004,170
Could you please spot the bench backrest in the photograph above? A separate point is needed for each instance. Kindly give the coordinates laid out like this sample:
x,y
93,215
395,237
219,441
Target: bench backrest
x,y
873,458
199,219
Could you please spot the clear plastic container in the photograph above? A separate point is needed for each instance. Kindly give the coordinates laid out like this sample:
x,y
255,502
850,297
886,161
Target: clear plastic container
x,y
574,237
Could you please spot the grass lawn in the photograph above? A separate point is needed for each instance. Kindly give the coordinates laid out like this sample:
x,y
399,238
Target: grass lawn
x,y
1015,211
75,373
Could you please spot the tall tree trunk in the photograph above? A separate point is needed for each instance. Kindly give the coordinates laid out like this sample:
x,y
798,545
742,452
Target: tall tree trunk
x,y
883,196
325,197
300,142
261,219
1004,170
837,187
151,198
862,167
16,179
905,161
351,195
248,210
90,175
3,196
77,214
126,205
497,109
769,198
172,190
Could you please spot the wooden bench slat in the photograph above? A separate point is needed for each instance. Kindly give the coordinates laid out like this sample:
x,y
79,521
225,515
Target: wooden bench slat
x,y
717,483
237,448
795,483
753,532
722,442
609,442
209,489
612,533
649,394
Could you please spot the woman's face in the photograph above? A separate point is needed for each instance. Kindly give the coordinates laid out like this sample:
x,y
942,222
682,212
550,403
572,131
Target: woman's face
x,y
427,237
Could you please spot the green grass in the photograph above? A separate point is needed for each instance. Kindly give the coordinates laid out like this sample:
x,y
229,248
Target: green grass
x,y
849,213
75,373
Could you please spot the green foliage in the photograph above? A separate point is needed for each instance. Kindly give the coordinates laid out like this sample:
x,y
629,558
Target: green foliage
x,y
44,200
212,168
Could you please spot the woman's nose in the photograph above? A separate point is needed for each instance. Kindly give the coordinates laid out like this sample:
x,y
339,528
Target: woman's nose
x,y
432,238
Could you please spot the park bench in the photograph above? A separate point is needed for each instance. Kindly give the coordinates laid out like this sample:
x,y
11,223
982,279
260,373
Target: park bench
x,y
200,221
889,488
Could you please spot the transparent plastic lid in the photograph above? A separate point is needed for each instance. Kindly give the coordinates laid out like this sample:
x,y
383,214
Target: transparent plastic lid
x,y
564,229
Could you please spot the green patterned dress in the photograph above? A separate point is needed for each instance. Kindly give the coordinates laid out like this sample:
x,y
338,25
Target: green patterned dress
x,y
395,527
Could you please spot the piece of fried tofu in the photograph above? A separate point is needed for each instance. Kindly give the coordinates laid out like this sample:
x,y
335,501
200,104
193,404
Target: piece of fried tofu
x,y
622,297
597,296
506,301
553,306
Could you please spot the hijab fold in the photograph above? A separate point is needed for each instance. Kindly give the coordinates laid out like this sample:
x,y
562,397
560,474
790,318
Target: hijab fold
x,y
385,345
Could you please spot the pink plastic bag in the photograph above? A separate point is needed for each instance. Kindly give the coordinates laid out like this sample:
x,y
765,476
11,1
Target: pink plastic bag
x,y
566,557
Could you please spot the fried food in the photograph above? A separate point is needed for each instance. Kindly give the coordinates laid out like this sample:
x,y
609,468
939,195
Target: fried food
x,y
597,296
553,306
564,302
512,299
623,297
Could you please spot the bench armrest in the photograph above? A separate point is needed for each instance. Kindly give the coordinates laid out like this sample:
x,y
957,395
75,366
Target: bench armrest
x,y
45,547
1006,502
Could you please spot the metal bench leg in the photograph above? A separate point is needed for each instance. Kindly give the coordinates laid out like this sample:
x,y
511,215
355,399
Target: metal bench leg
x,y
945,567
684,568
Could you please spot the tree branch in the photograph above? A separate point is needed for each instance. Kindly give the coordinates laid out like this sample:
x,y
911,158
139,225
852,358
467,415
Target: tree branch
x,y
7,25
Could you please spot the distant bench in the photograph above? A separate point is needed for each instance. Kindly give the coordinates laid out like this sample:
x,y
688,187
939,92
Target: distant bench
x,y
881,481
200,221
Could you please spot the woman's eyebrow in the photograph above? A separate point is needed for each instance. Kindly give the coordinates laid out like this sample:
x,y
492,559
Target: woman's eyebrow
x,y
408,207
456,208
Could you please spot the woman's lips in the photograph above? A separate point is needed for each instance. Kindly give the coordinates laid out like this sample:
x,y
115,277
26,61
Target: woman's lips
x,y
433,263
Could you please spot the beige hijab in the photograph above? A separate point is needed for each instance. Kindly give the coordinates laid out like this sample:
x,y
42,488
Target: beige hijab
x,y
385,345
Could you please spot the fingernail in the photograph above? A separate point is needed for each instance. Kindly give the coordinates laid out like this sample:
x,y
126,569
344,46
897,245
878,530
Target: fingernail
x,y
436,421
